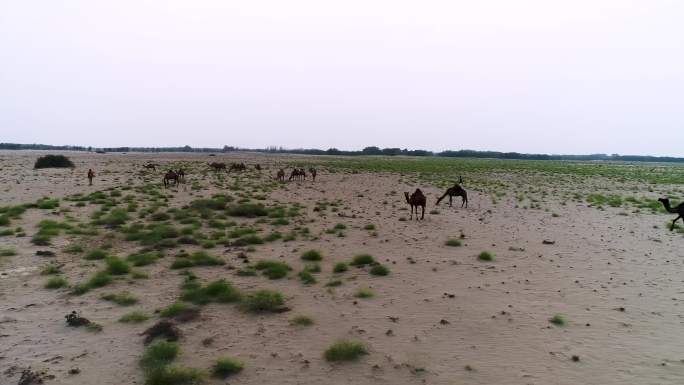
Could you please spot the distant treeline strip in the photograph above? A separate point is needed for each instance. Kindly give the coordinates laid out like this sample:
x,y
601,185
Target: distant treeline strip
x,y
366,151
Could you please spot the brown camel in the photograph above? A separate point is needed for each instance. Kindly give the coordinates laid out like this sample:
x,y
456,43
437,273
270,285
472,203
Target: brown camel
x,y
237,167
415,200
170,176
217,166
281,175
298,174
313,173
457,191
679,210
181,175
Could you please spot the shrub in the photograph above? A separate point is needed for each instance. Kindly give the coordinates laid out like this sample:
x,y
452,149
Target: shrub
x,y
50,270
73,249
174,309
379,270
117,266
199,258
454,242
369,227
217,291
340,267
248,210
307,278
123,298
273,269
226,366
144,259
47,204
115,218
56,283
558,320
312,255
174,375
96,254
263,301
345,351
134,317
302,320
53,161
362,259
159,354
486,256
7,252
100,279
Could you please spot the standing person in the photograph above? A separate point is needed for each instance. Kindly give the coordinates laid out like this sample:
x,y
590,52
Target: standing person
x,y
91,175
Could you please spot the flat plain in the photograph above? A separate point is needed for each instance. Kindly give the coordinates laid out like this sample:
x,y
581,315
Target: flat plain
x,y
555,273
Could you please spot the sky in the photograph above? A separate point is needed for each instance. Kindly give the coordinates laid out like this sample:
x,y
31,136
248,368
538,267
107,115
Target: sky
x,y
532,76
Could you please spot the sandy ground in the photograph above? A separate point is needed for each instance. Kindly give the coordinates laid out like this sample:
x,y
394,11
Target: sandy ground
x,y
617,279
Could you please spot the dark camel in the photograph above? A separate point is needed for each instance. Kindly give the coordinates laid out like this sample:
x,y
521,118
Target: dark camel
x,y
298,174
313,173
170,176
281,175
217,166
679,210
415,200
237,167
181,175
257,167
455,191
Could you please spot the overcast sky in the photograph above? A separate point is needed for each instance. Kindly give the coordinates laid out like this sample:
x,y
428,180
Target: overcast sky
x,y
541,76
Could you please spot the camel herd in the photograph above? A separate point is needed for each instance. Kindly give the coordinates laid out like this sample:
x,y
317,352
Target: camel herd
x,y
178,176
418,199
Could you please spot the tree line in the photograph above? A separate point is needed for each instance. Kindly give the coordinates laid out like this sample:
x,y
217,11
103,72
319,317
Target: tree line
x,y
371,150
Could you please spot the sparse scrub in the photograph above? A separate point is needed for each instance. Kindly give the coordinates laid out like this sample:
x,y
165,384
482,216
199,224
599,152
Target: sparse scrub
x,y
53,161
312,255
263,301
134,317
486,256
226,366
345,351
273,269
122,299
362,259
56,283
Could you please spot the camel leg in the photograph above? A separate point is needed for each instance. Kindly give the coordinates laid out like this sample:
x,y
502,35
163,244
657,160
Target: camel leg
x,y
673,222
422,214
411,217
450,201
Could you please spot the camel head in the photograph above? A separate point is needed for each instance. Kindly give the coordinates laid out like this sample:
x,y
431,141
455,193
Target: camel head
x,y
664,201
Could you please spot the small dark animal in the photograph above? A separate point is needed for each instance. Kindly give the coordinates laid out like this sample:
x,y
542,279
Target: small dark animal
x,y
150,166
281,175
312,171
170,176
164,329
417,199
679,210
257,167
216,166
298,174
457,191
74,320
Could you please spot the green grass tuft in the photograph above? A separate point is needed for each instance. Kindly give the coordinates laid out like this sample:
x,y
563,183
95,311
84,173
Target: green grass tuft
x,y
263,301
486,256
226,366
345,351
362,259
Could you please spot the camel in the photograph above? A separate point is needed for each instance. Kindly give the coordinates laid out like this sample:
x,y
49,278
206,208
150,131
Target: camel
x,y
298,174
313,173
181,175
237,167
281,175
457,191
217,166
150,166
170,176
679,210
257,167
416,199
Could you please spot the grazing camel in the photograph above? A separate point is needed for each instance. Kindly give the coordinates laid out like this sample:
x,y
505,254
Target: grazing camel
x,y
281,175
170,176
679,210
237,167
457,191
181,175
298,174
313,173
416,199
257,167
217,166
